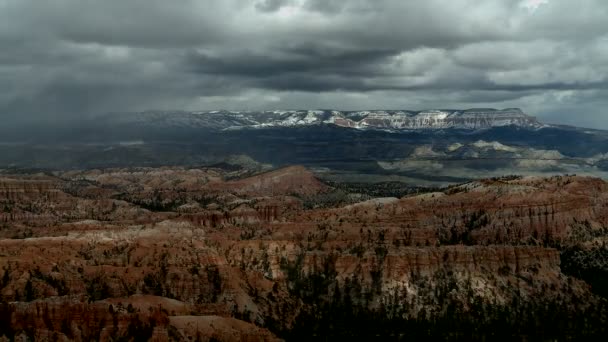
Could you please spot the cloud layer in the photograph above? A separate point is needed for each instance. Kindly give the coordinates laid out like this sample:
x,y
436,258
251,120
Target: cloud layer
x,y
65,59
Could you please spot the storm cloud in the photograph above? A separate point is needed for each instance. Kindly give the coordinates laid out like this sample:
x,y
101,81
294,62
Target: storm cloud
x,y
67,59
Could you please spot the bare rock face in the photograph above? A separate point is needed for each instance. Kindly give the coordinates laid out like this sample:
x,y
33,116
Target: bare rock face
x,y
179,254
218,328
287,181
16,194
15,189
72,320
520,211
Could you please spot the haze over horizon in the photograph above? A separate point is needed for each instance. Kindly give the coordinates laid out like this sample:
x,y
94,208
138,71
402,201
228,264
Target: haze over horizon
x,y
63,60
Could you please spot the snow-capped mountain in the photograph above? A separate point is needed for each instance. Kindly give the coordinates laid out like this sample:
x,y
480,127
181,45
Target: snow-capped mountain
x,y
373,119
436,144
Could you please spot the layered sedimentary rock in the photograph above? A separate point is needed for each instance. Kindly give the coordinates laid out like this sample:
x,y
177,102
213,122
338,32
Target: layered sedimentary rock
x,y
22,189
174,249
287,181
489,212
74,320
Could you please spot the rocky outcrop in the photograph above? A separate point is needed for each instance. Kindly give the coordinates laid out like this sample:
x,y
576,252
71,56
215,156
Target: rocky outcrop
x,y
65,319
219,328
517,211
17,189
293,180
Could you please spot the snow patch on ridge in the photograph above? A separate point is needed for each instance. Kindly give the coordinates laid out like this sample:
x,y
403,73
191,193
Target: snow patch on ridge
x,y
390,120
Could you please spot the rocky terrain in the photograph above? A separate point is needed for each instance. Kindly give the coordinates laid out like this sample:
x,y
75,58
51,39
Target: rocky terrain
x,y
230,253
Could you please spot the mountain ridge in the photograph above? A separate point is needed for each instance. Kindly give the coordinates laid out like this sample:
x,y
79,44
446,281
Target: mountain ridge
x,y
472,119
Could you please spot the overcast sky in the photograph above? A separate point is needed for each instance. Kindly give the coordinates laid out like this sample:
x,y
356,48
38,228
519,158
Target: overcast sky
x,y
72,58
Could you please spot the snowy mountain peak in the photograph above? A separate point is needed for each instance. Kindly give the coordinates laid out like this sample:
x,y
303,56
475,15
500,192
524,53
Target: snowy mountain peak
x,y
478,118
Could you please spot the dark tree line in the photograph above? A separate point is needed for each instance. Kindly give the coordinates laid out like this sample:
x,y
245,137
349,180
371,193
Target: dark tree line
x,y
353,309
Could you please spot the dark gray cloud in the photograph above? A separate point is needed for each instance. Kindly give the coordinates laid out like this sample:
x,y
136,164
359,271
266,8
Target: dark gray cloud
x,y
271,5
64,59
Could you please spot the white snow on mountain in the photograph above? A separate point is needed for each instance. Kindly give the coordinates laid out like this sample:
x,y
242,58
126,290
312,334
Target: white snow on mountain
x,y
471,119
